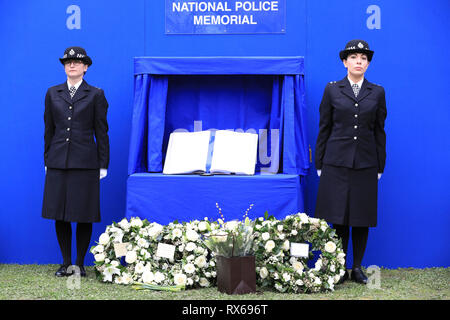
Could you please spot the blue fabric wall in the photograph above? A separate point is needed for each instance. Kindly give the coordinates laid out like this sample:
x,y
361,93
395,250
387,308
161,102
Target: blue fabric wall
x,y
410,62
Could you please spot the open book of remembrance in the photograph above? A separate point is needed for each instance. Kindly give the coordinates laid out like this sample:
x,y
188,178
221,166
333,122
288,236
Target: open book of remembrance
x,y
223,152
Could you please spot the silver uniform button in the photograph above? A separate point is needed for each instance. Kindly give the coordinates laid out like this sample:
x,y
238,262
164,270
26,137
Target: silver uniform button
x,y
355,138
70,107
69,118
356,104
67,139
68,129
356,127
356,116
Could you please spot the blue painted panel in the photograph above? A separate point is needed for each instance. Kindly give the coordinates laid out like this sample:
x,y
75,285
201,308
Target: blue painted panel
x,y
410,41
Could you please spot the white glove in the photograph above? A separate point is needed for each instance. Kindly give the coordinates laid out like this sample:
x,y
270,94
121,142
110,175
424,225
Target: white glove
x,y
319,172
103,173
379,176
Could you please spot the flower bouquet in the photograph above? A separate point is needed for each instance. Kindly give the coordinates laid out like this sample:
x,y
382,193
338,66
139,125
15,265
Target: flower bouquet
x,y
232,244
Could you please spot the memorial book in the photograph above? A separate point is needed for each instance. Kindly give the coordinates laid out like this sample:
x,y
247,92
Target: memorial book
x,y
208,152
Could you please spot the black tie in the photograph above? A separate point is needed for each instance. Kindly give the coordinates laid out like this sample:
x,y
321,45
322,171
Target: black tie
x,y
355,88
72,91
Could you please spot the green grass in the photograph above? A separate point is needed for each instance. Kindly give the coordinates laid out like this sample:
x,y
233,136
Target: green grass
x,y
37,282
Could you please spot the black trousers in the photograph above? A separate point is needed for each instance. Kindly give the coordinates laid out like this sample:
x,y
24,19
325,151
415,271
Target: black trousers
x,y
83,237
359,241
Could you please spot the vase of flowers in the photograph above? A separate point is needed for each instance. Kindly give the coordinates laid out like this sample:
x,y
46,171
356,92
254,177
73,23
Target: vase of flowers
x,y
232,244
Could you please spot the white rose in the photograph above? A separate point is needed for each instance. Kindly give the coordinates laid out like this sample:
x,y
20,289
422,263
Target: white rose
x,y
148,276
304,218
190,246
200,261
263,273
299,282
286,245
139,268
286,277
294,232
280,227
318,265
269,245
104,239
99,257
131,257
176,233
189,268
191,235
202,226
124,224
142,243
126,278
265,236
98,249
136,222
159,277
330,247
190,257
298,266
317,281
204,282
115,263
179,279
155,230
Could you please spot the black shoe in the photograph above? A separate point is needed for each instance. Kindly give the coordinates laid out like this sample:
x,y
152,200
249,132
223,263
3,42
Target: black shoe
x,y
62,271
343,278
358,276
82,271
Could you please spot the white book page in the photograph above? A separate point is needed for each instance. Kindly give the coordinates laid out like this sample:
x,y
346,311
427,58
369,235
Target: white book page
x,y
187,152
234,152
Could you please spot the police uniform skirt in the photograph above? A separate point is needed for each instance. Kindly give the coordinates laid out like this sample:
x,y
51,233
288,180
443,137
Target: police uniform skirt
x,y
72,195
348,196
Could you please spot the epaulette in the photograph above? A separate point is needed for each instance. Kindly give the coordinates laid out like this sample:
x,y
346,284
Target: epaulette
x,y
332,82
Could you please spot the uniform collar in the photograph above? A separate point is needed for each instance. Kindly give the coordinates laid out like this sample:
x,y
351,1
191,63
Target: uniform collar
x,y
359,83
76,85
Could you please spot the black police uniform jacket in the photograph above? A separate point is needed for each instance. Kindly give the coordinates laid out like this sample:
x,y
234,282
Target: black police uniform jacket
x,y
351,129
70,126
351,148
72,156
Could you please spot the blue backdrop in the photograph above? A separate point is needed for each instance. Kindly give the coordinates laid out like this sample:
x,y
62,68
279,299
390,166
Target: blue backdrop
x,y
410,40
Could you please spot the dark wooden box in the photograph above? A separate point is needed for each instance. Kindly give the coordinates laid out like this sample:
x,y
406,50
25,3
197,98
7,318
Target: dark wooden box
x,y
236,275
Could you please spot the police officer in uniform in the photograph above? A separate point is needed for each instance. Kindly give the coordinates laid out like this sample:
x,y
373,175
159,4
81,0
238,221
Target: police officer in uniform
x,y
75,113
350,153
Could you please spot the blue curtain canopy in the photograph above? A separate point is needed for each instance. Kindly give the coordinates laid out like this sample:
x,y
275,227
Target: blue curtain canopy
x,y
264,95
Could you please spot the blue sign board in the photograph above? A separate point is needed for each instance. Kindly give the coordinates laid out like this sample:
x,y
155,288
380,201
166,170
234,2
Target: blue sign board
x,y
225,16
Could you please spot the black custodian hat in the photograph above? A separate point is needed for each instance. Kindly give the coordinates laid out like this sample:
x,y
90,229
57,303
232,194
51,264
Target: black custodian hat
x,y
359,46
76,53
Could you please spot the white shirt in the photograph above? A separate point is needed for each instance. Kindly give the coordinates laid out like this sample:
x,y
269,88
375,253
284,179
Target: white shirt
x,y
359,83
76,85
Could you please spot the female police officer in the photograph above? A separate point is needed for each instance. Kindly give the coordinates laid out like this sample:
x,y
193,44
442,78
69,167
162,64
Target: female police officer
x,y
75,112
351,152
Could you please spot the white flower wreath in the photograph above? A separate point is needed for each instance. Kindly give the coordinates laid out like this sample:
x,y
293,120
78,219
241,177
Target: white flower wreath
x,y
276,268
194,266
